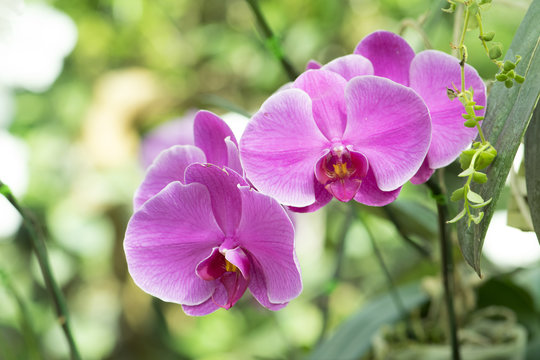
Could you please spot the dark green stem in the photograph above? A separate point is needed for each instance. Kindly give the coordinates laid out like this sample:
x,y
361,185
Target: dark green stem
x,y
38,244
447,264
422,250
340,255
272,41
388,276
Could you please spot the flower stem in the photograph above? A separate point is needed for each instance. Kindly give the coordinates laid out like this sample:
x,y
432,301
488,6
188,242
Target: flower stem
x,y
340,255
38,244
389,280
272,41
447,265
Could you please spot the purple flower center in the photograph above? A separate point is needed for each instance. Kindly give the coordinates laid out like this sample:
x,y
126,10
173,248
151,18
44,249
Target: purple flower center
x,y
231,268
341,171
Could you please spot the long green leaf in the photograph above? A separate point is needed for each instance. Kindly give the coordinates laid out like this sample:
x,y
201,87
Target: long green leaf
x,y
353,338
507,117
532,169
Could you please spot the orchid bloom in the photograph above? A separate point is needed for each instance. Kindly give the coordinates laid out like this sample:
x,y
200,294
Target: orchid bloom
x,y
429,73
329,137
200,236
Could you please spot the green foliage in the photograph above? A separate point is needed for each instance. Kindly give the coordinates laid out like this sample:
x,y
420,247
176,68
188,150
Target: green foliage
x,y
507,117
532,168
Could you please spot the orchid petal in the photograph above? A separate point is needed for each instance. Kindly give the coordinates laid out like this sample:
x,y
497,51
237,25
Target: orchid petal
x,y
313,65
280,146
174,132
389,53
322,197
210,305
165,240
370,194
223,189
233,157
432,73
210,131
390,124
424,173
169,166
266,233
350,66
326,90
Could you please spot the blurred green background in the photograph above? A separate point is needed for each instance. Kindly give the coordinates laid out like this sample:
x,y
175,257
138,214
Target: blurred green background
x,y
137,64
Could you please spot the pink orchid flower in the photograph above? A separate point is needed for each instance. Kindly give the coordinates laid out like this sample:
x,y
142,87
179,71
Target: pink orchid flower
x,y
200,236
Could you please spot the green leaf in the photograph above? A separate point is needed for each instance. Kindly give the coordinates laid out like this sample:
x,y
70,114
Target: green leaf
x,y
457,195
467,172
457,217
508,114
480,205
353,338
532,169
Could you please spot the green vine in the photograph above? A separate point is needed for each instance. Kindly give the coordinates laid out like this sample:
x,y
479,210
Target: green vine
x,y
482,153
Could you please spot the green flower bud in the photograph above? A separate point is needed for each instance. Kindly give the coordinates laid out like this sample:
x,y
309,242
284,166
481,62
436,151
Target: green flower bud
x,y
451,94
470,109
466,116
470,123
495,51
519,79
501,77
465,158
488,36
473,9
484,159
479,177
508,65
483,2
478,107
509,83
457,195
511,74
479,118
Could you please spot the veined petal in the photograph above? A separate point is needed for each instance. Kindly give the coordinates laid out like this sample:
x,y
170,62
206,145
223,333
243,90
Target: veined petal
x,y
210,131
169,166
389,53
326,90
370,194
313,65
423,174
165,240
280,147
322,197
350,66
210,305
222,186
388,123
266,233
174,132
432,72
233,156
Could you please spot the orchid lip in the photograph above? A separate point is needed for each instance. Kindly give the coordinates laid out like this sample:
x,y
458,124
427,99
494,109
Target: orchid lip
x,y
341,171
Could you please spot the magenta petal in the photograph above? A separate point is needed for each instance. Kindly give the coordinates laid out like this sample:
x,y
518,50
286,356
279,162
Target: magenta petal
x,y
210,131
207,307
170,133
322,197
212,267
167,238
326,90
423,174
280,146
233,157
235,285
238,258
258,288
169,166
266,233
223,189
390,124
432,72
389,53
313,65
370,194
350,66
